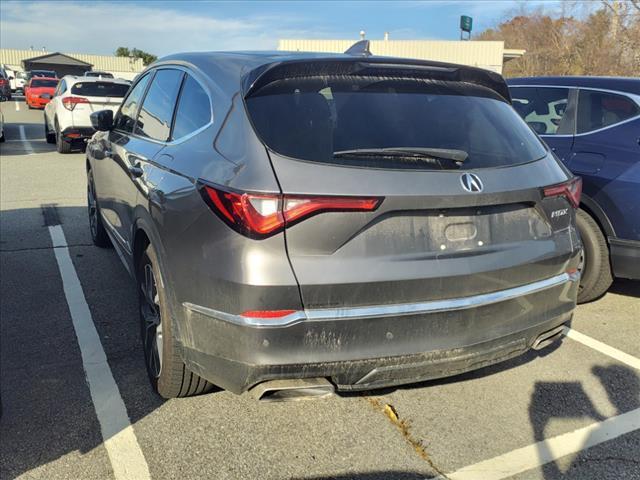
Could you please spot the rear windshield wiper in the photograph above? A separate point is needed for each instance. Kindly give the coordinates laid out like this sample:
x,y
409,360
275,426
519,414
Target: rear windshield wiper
x,y
421,154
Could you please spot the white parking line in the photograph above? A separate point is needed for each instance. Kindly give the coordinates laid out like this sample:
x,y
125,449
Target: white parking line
x,y
120,440
23,138
603,348
545,451
17,106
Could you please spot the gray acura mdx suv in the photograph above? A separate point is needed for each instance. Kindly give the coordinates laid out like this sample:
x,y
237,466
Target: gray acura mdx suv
x,y
299,223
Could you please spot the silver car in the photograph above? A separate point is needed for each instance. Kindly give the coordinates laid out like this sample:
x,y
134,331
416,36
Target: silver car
x,y
300,223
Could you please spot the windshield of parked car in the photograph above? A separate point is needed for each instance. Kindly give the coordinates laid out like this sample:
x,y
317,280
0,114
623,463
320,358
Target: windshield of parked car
x,y
320,118
44,83
100,89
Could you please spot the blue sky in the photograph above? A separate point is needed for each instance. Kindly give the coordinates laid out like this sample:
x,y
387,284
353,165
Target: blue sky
x,y
166,27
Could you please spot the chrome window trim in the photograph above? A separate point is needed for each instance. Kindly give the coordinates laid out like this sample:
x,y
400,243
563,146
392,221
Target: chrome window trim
x,y
380,311
631,96
175,141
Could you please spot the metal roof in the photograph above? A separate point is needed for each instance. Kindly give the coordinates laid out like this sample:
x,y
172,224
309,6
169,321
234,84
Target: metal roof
x,y
228,69
14,57
623,84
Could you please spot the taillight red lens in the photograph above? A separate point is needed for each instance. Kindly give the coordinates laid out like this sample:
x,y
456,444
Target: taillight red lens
x,y
70,102
571,190
261,215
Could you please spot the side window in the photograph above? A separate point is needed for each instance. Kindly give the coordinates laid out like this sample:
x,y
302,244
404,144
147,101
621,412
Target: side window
x,y
601,109
543,108
62,86
194,109
156,114
126,117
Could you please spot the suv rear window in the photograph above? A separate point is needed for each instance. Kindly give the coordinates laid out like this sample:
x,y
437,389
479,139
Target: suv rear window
x,y
100,89
316,118
44,83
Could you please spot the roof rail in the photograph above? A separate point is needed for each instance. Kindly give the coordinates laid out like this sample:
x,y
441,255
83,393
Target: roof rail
x,y
359,49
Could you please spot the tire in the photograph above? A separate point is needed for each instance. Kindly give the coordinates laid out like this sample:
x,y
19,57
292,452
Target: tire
x,y
49,136
167,373
596,268
2,138
62,146
98,232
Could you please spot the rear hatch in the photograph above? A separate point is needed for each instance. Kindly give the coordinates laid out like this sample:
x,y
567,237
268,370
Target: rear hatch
x,y
457,178
92,96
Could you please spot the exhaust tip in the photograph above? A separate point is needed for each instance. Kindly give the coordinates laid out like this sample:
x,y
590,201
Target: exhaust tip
x,y
547,338
291,390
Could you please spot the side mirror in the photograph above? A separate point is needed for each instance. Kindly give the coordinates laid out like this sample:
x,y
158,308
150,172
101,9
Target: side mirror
x,y
102,120
10,78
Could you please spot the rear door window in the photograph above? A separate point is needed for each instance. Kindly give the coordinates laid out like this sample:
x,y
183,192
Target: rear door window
x,y
156,114
543,109
194,109
100,89
36,83
325,119
602,109
126,117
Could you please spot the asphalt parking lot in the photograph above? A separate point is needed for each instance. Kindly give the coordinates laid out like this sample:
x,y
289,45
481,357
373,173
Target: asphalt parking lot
x,y
571,411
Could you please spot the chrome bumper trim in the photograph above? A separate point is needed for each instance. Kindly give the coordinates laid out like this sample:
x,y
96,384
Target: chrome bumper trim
x,y
433,306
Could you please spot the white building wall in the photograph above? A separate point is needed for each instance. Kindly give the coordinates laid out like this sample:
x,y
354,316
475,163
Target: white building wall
x,y
488,55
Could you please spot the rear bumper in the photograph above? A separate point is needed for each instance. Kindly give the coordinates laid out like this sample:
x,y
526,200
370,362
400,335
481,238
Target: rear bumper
x,y
78,133
625,258
374,347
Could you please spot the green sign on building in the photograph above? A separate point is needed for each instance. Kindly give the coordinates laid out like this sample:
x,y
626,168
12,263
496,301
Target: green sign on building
x,y
466,23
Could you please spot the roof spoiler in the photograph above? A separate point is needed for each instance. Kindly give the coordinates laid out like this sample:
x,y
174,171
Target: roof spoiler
x,y
373,66
359,49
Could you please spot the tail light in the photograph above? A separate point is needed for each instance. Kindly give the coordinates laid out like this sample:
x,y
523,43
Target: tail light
x,y
267,313
2,82
571,190
70,102
258,215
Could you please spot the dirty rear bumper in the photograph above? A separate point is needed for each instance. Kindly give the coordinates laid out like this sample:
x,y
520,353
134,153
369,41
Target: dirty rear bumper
x,y
379,346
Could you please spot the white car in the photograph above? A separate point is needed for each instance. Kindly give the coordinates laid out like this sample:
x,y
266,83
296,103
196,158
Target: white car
x,y
2,99
66,116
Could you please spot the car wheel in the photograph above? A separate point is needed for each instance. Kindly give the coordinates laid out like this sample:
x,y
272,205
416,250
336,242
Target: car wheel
x,y
98,232
167,372
61,144
48,135
596,275
2,137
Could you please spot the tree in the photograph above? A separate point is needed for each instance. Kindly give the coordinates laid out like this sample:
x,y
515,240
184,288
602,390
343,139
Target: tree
x,y
147,58
604,42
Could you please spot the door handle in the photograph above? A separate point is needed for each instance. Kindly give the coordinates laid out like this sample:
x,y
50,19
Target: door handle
x,y
135,170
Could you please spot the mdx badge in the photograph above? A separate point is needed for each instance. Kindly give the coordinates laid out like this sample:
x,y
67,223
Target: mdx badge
x,y
471,182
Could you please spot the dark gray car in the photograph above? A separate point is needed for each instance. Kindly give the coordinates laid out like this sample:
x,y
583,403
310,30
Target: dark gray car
x,y
297,223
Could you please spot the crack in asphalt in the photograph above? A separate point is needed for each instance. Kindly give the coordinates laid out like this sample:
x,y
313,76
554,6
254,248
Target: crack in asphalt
x,y
27,249
404,427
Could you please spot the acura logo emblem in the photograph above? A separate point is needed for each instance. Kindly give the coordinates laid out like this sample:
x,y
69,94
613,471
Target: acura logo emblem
x,y
471,182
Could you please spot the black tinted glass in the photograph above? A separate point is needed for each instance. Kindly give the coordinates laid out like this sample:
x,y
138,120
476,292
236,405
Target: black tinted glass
x,y
44,83
601,109
100,89
543,109
194,110
314,118
154,119
126,117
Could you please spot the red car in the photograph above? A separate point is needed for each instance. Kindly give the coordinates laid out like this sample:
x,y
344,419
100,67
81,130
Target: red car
x,y
39,91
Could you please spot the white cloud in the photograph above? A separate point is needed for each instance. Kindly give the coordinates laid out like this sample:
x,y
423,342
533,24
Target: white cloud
x,y
102,27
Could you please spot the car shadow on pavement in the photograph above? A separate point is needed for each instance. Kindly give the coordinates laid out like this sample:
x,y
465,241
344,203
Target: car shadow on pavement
x,y
628,288
382,475
568,400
